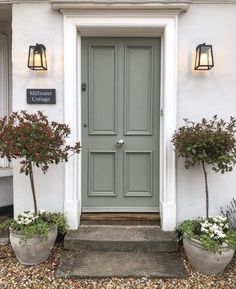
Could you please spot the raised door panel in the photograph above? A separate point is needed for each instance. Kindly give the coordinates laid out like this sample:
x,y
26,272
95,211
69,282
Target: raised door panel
x,y
138,173
102,90
138,90
102,173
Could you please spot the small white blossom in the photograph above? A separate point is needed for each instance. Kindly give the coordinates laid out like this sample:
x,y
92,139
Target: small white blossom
x,y
41,211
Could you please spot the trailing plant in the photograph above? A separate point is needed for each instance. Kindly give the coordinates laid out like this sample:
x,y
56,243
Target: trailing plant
x,y
4,227
210,142
212,232
230,213
30,223
36,142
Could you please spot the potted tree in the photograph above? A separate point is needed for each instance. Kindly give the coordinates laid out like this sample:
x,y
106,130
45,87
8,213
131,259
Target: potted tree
x,y
208,143
36,142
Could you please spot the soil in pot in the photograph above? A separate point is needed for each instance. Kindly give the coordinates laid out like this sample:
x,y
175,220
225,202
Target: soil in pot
x,y
205,261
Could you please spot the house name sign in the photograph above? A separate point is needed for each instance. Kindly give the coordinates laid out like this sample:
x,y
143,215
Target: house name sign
x,y
41,96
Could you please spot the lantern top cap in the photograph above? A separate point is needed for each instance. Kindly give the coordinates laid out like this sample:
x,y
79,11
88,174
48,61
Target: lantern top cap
x,y
204,44
40,46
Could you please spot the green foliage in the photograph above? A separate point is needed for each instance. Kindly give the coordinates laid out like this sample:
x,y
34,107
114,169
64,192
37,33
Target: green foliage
x,y
231,236
210,141
4,226
212,232
30,224
61,221
35,140
230,212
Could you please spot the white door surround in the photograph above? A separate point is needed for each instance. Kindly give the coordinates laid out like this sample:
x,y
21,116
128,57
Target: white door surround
x,y
5,169
128,23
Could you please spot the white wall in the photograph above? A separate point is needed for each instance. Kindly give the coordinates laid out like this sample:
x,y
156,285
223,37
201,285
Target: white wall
x,y
203,94
37,23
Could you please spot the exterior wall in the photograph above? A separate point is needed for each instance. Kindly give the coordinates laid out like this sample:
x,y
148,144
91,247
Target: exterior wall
x,y
200,94
37,23
203,94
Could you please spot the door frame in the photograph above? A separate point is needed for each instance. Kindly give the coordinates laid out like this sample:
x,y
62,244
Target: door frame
x,y
93,23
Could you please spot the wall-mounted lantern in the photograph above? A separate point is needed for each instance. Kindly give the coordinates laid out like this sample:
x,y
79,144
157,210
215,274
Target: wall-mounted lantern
x,y
37,57
204,57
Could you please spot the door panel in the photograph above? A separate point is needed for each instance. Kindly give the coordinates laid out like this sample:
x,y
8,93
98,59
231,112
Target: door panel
x,y
121,102
102,173
138,90
138,173
102,89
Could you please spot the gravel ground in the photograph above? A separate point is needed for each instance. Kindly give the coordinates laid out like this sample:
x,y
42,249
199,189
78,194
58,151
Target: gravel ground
x,y
13,275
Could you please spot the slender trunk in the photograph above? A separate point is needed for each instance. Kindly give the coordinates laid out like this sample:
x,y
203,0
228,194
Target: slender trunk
x,y
206,190
32,186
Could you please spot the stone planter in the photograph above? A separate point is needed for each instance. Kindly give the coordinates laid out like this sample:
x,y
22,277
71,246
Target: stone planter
x,y
207,261
34,250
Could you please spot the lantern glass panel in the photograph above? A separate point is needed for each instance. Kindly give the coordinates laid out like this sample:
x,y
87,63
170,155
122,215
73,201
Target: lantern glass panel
x,y
37,57
204,57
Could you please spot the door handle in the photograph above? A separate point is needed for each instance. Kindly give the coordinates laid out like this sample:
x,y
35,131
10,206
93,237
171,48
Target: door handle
x,y
120,142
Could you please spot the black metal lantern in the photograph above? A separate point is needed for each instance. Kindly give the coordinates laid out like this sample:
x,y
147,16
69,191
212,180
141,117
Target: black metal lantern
x,y
37,57
204,57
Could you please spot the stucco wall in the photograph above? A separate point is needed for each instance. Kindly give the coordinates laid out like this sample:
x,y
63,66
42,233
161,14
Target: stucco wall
x,y
203,94
200,94
37,23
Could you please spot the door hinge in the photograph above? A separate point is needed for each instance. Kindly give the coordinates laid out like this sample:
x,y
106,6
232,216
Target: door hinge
x,y
83,87
161,112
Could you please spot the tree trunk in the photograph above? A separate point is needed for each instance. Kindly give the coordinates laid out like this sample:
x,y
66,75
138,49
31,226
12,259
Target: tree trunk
x,y
206,190
32,186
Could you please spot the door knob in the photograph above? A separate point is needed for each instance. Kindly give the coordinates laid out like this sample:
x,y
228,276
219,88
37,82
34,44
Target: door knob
x,y
120,142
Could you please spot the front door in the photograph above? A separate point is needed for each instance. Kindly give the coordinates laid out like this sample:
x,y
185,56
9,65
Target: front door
x,y
120,124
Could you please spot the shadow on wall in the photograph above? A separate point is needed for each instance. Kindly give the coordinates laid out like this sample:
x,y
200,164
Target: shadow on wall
x,y
6,196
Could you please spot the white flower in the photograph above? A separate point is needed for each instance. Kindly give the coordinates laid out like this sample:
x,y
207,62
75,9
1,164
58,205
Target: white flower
x,y
222,218
41,211
214,228
204,229
28,221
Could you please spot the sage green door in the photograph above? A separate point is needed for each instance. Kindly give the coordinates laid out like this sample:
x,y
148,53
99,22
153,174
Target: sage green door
x,y
120,124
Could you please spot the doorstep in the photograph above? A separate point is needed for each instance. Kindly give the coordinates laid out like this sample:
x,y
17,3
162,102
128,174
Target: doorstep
x,y
120,239
104,251
121,265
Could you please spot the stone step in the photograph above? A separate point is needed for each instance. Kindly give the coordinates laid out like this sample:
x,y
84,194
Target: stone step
x,y
120,264
120,239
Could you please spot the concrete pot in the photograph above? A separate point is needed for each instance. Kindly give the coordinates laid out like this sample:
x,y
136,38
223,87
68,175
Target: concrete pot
x,y
34,250
207,261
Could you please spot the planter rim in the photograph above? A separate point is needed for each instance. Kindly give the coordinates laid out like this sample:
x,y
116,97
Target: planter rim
x,y
18,233
199,244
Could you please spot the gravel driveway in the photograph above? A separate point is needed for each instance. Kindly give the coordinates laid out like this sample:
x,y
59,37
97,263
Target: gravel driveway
x,y
13,275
